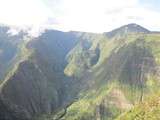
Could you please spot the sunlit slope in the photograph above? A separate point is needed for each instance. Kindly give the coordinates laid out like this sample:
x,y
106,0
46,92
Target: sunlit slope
x,y
149,108
121,78
82,76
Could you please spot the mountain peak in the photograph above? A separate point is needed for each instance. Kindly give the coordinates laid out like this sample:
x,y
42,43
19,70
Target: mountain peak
x,y
135,26
126,29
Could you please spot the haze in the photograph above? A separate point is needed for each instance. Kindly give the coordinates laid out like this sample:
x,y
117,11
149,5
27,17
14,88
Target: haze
x,y
79,15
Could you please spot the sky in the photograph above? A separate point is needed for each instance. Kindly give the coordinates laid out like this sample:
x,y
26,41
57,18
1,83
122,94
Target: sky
x,y
79,15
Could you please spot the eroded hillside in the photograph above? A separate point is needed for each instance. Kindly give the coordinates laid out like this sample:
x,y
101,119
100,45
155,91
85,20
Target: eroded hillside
x,y
82,76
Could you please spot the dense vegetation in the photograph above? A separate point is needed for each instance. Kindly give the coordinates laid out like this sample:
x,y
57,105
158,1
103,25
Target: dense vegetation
x,y
84,76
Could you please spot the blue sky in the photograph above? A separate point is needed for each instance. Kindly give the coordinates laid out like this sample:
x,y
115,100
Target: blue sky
x,y
79,15
151,4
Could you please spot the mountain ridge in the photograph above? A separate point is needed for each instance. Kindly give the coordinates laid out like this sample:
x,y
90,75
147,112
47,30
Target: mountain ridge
x,y
128,29
83,71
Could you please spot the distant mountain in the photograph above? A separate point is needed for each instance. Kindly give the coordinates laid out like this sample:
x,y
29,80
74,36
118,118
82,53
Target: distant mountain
x,y
127,29
81,76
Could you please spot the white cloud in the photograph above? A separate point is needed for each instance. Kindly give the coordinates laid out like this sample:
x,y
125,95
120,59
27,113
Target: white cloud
x,y
92,15
81,15
104,15
23,12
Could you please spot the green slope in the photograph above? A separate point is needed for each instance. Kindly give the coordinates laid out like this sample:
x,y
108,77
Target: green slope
x,y
84,76
129,63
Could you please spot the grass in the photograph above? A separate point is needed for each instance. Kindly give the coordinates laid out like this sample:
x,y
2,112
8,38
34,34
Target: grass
x,y
85,107
90,100
148,110
153,41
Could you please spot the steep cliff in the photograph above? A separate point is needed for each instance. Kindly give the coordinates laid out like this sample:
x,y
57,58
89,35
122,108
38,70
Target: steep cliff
x,y
9,49
82,76
37,84
120,78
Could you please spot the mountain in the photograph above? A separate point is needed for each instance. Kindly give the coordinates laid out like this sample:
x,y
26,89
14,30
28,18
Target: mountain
x,y
37,83
125,74
82,76
128,29
9,49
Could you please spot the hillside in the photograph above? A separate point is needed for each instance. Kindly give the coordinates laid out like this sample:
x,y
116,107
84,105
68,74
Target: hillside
x,y
121,78
82,76
9,49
